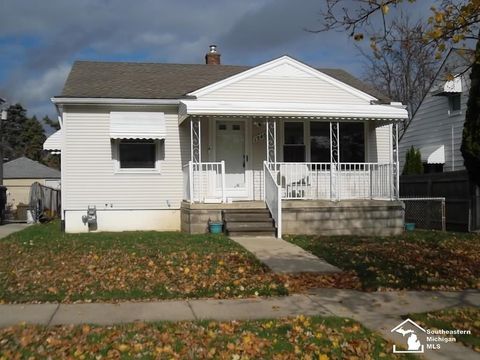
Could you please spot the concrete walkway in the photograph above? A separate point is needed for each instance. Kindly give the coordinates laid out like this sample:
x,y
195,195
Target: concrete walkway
x,y
284,257
8,229
379,311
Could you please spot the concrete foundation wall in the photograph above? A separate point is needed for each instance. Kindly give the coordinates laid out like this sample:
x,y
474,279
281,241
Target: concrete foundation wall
x,y
195,217
353,217
369,217
124,220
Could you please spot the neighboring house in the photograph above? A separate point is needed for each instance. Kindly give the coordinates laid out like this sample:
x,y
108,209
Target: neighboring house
x,y
436,130
174,146
21,173
437,125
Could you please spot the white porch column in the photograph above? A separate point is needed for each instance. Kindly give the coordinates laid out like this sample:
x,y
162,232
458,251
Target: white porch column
x,y
334,160
195,156
195,141
396,164
271,140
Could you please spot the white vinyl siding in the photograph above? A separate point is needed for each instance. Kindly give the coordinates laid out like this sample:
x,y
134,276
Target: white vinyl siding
x,y
284,84
379,143
432,125
88,167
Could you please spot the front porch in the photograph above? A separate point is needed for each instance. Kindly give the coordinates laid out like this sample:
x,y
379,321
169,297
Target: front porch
x,y
274,161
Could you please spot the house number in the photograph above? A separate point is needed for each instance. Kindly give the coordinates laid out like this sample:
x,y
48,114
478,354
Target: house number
x,y
258,137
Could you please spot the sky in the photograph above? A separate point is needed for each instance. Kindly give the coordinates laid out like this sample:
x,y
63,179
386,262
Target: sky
x,y
40,39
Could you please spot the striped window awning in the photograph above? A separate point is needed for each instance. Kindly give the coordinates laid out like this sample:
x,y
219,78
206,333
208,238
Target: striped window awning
x,y
137,125
54,142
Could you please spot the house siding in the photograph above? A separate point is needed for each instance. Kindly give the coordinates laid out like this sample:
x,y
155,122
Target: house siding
x,y
284,83
432,124
88,170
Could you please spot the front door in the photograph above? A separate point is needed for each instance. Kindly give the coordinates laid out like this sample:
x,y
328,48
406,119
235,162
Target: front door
x,y
230,147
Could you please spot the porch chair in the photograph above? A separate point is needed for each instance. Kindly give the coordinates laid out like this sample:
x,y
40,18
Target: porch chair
x,y
296,181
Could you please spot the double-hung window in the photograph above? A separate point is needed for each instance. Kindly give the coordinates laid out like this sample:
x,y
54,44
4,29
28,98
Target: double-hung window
x,y
294,144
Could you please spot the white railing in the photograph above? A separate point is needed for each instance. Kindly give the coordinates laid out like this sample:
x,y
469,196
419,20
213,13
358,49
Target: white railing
x,y
204,182
328,181
273,198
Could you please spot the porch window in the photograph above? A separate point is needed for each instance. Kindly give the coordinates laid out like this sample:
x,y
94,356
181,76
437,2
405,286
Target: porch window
x,y
352,142
294,146
137,154
319,141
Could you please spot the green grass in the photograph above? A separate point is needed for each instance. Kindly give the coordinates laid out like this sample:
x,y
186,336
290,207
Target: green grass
x,y
41,263
461,318
289,338
424,260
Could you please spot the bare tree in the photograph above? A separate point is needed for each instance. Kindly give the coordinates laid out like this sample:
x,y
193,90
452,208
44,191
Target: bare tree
x,y
403,68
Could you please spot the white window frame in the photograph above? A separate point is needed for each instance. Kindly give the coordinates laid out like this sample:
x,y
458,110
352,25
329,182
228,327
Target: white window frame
x,y
159,144
306,133
454,112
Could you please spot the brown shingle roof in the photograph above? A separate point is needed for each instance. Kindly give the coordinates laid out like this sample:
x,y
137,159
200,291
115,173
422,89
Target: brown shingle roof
x,y
161,81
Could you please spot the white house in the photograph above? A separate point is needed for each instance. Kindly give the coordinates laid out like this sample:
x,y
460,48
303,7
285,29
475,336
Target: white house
x,y
281,146
437,125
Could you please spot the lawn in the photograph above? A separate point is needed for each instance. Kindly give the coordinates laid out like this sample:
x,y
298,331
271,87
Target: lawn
x,y
423,260
290,338
462,318
42,264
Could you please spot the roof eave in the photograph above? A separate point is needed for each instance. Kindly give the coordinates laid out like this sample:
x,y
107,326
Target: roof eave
x,y
111,101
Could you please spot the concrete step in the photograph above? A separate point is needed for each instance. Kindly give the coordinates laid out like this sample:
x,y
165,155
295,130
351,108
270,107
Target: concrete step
x,y
247,217
248,226
252,233
246,211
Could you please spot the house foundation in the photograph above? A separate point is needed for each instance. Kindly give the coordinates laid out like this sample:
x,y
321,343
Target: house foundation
x,y
310,217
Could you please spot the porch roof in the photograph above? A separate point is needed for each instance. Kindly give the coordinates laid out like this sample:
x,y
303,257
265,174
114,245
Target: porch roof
x,y
382,112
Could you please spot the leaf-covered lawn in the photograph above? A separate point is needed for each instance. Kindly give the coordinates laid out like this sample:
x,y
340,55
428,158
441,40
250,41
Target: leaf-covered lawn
x,y
427,260
41,264
298,338
462,318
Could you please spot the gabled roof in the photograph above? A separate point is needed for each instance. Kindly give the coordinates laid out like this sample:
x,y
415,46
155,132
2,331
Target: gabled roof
x,y
25,168
288,64
92,79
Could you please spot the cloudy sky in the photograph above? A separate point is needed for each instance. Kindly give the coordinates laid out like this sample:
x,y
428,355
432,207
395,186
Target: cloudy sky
x,y
39,39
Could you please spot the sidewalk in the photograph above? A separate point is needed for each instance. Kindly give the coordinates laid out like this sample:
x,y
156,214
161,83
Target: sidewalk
x,y
8,229
283,257
378,311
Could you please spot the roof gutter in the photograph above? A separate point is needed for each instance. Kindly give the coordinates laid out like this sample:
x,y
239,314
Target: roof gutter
x,y
112,101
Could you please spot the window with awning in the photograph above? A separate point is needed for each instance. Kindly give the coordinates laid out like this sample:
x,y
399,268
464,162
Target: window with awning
x,y
138,139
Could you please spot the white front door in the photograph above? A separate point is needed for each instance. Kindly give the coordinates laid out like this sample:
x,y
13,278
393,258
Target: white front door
x,y
230,147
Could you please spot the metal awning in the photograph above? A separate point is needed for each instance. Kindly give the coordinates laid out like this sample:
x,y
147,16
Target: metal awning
x,y
390,113
137,125
433,154
54,142
450,87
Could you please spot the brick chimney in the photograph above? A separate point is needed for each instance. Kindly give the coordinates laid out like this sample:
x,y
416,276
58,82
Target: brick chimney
x,y
212,57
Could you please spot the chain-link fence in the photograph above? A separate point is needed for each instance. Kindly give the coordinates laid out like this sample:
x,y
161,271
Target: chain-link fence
x,y
426,213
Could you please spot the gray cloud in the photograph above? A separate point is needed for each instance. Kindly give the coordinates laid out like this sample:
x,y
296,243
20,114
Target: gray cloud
x,y
248,32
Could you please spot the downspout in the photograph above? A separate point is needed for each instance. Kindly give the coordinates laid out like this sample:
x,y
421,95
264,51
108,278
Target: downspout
x,y
62,195
59,115
453,148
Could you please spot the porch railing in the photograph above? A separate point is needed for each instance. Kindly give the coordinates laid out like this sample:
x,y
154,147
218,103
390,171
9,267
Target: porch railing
x,y
329,181
273,197
204,182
